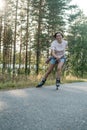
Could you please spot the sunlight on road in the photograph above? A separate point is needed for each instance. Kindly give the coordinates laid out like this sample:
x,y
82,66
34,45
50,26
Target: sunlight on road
x,y
78,86
81,88
3,105
18,93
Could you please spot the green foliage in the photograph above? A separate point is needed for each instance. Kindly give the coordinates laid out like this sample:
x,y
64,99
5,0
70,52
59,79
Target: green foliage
x,y
78,46
32,24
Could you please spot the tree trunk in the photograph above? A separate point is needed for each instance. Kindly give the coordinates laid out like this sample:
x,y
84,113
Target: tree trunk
x,y
38,38
0,35
20,59
29,61
15,32
20,50
27,37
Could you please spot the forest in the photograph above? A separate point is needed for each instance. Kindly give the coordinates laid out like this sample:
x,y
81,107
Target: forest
x,y
26,32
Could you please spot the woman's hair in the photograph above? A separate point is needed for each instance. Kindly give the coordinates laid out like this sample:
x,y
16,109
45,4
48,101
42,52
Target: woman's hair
x,y
58,33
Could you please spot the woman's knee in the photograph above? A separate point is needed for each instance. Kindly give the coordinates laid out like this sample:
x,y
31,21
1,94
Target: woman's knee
x,y
59,68
49,71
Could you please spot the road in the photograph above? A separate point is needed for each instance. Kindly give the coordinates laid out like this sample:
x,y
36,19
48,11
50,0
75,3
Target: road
x,y
45,108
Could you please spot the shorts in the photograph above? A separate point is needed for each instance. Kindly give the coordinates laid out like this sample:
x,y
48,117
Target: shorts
x,y
54,61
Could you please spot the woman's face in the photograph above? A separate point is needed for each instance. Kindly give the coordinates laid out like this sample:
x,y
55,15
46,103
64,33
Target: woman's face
x,y
59,37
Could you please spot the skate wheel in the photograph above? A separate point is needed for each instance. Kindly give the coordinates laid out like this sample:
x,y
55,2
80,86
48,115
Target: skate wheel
x,y
56,88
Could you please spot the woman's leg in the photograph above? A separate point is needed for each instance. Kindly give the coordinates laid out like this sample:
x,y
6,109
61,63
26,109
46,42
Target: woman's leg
x,y
59,70
58,76
49,70
46,75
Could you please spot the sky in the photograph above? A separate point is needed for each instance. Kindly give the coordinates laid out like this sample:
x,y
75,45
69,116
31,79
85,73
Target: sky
x,y
82,5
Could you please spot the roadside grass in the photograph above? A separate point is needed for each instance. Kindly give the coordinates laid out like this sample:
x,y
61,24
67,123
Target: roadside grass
x,y
71,79
31,81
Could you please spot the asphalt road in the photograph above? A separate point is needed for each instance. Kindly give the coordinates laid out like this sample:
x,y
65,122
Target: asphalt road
x,y
45,108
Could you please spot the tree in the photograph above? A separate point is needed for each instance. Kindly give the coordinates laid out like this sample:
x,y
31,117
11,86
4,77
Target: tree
x,y
27,38
48,16
0,35
78,44
7,47
15,32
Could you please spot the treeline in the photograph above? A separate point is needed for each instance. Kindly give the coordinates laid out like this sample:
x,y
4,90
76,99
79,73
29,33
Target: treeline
x,y
77,37
26,30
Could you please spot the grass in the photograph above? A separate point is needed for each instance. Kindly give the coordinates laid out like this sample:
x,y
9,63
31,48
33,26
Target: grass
x,y
71,79
32,81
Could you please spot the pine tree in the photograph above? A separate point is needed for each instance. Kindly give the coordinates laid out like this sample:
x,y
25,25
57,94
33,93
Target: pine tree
x,y
0,36
49,18
15,32
77,44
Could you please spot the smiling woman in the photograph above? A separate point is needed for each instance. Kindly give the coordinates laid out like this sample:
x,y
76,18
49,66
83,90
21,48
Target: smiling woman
x,y
2,4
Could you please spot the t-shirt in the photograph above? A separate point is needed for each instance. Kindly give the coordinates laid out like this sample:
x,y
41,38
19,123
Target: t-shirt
x,y
59,47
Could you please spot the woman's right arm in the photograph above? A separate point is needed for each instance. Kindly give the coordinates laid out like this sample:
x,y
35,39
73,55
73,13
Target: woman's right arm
x,y
54,54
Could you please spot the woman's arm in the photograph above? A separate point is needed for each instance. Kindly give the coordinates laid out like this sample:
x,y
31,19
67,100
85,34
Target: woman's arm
x,y
54,54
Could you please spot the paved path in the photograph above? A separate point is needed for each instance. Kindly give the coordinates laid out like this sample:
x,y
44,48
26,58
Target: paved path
x,y
45,108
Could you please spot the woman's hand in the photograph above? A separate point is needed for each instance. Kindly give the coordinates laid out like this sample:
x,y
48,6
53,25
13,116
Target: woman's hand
x,y
57,58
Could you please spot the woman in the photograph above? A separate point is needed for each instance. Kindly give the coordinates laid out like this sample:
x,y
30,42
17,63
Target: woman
x,y
58,47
